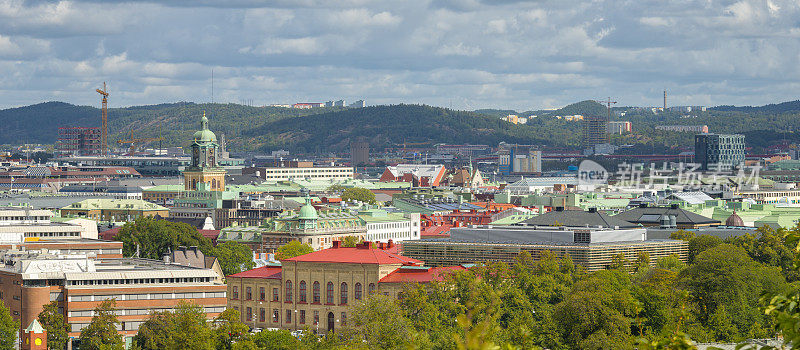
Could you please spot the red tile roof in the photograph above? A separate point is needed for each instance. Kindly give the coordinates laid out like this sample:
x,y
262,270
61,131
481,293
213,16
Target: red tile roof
x,y
210,234
442,231
420,275
358,255
271,272
110,234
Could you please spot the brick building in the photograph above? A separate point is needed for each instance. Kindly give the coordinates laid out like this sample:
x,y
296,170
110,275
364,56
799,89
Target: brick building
x,y
317,290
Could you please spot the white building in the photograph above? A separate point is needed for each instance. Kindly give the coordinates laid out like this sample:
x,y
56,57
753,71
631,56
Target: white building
x,y
292,173
18,225
383,226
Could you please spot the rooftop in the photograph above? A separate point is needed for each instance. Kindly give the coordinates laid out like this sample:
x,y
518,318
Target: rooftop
x,y
362,254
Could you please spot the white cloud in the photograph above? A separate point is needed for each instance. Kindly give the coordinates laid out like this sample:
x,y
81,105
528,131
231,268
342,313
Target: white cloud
x,y
458,50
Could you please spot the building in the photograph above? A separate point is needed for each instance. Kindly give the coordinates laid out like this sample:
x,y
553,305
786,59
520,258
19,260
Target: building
x,y
463,150
31,279
670,216
116,192
307,105
103,209
78,141
719,151
420,175
619,128
317,290
577,218
684,128
519,159
204,173
595,131
359,153
318,229
294,170
384,227
591,247
358,104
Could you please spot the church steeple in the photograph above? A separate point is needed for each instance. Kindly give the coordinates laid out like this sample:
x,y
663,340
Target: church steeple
x,y
204,172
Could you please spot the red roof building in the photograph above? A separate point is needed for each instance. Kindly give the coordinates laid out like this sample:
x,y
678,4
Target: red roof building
x,y
317,290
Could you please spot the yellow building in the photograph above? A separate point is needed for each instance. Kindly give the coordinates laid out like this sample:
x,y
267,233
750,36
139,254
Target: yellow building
x,y
317,290
103,209
204,173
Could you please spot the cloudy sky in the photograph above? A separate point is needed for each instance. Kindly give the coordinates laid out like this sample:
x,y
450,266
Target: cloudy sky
x,y
466,53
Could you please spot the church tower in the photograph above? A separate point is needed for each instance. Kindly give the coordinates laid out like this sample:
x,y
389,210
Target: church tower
x,y
204,174
35,337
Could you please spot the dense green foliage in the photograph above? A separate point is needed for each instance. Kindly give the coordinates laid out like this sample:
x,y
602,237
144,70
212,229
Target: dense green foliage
x,y
154,238
57,329
362,195
9,329
292,249
234,257
187,328
101,333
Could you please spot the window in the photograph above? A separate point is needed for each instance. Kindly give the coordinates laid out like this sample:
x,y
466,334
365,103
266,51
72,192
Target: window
x,y
262,315
371,288
329,293
358,291
235,292
316,318
302,316
302,295
288,297
248,293
249,314
316,292
288,316
275,295
343,293
262,295
344,319
275,315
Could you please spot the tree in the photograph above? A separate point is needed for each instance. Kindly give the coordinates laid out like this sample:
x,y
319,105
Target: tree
x,y
101,333
351,241
358,194
9,329
700,243
380,323
229,329
275,340
154,238
726,284
292,249
186,328
57,329
234,257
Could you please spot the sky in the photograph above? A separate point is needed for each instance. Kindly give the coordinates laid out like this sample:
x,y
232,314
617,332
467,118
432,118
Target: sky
x,y
464,54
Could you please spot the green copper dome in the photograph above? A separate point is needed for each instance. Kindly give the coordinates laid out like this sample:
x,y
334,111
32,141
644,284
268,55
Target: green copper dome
x,y
204,135
307,212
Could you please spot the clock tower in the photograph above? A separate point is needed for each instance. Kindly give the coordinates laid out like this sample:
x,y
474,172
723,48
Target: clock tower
x,y
204,174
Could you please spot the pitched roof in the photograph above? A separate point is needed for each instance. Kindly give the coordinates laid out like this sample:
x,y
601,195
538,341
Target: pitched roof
x,y
419,274
269,271
578,218
359,255
654,214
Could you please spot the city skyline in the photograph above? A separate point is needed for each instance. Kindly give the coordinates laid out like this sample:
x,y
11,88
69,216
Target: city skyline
x,y
522,55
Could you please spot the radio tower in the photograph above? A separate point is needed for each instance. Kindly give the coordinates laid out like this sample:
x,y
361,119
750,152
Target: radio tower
x,y
665,100
104,127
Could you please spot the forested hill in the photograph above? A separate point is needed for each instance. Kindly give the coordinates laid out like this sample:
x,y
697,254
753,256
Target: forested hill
x,y
785,107
389,126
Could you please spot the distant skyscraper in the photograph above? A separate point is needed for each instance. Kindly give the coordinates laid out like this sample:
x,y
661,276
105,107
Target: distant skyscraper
x,y
357,104
339,103
595,130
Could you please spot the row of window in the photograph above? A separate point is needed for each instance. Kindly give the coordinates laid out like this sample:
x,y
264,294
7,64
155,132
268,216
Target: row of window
x,y
276,315
134,312
139,281
152,296
302,292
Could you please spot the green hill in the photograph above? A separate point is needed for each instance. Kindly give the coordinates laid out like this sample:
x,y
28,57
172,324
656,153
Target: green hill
x,y
388,126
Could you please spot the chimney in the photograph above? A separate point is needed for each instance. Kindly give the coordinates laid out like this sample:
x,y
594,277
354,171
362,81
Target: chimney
x,y
336,244
363,245
166,258
390,244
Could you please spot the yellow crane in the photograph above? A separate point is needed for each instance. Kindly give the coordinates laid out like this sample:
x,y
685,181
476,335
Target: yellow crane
x,y
133,141
104,128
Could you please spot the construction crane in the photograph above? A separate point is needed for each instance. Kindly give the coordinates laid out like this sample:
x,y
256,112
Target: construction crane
x,y
608,104
133,141
104,127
